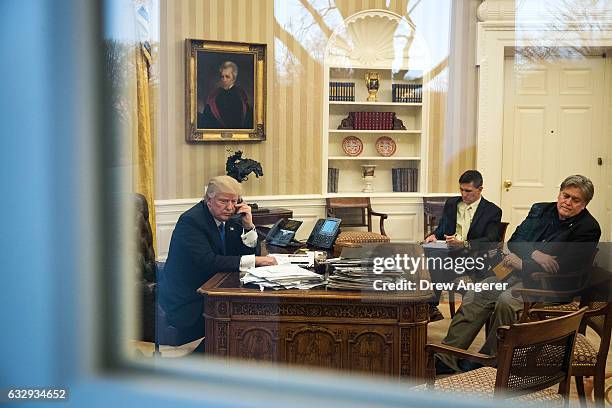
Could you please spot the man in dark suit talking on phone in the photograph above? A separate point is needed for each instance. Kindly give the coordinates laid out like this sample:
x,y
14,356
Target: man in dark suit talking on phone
x,y
207,240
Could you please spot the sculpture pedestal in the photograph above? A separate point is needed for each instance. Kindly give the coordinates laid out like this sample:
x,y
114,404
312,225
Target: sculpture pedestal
x,y
368,177
367,181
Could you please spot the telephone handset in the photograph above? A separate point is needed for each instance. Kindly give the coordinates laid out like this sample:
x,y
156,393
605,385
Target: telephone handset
x,y
282,232
324,233
237,217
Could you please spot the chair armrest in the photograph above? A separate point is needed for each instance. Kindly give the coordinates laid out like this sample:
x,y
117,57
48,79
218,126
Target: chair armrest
x,y
539,312
545,275
484,359
543,294
383,217
542,313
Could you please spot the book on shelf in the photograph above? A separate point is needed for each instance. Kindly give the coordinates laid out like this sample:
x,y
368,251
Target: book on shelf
x,y
342,91
405,179
373,120
332,180
407,93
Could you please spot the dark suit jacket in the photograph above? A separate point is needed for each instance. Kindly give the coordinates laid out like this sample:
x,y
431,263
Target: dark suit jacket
x,y
573,242
227,109
484,226
195,255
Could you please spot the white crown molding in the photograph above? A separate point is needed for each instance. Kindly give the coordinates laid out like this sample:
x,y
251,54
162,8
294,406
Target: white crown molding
x,y
550,11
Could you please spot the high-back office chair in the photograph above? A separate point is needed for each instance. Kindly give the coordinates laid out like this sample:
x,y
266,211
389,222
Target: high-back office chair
x,y
355,212
531,358
145,261
154,325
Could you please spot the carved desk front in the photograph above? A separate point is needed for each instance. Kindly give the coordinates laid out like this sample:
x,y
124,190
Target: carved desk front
x,y
362,332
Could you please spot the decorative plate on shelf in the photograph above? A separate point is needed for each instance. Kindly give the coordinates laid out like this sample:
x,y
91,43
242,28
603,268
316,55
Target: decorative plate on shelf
x,y
385,146
352,145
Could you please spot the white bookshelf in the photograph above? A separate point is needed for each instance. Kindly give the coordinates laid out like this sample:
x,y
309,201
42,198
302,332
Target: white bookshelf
x,y
368,42
410,142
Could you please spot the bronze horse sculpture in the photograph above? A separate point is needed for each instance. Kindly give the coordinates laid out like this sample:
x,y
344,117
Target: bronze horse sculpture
x,y
240,168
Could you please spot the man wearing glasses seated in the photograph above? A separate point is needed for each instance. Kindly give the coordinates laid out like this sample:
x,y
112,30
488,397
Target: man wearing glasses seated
x,y
557,238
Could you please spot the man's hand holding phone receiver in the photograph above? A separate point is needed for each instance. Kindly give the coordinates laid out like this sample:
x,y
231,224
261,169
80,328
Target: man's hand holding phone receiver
x,y
243,215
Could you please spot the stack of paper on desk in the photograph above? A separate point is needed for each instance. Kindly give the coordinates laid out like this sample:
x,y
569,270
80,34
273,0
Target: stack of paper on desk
x,y
358,274
287,276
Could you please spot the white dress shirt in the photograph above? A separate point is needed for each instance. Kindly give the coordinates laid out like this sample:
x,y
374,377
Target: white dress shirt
x,y
249,238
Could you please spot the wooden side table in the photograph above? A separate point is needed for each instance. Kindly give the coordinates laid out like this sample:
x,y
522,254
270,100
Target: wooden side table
x,y
270,217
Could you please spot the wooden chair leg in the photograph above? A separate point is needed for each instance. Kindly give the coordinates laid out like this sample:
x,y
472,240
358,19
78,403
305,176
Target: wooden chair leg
x,y
580,390
599,390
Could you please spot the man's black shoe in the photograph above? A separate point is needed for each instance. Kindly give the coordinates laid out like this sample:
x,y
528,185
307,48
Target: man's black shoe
x,y
442,369
435,314
467,365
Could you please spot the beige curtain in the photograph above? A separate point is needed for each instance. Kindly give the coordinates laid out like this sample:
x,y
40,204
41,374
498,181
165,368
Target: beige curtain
x,y
143,143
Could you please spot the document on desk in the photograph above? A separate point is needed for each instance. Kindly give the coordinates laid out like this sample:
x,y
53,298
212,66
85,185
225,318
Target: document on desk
x,y
439,244
287,276
306,259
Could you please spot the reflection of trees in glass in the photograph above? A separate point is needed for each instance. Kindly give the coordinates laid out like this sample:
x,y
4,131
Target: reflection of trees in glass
x,y
119,75
308,25
118,61
572,20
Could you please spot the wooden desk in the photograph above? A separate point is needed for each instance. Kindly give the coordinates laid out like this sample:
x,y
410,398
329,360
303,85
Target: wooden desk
x,y
364,332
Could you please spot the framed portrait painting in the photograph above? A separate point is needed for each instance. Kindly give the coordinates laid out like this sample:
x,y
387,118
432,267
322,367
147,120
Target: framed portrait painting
x,y
225,91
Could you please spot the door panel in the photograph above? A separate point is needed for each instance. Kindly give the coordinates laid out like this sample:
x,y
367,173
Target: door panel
x,y
528,142
553,127
574,156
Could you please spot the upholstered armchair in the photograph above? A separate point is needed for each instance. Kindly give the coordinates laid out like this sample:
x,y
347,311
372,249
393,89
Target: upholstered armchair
x,y
589,357
355,212
532,359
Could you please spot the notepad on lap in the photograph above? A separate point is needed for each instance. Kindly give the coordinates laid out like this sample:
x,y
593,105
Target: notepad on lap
x,y
436,245
502,271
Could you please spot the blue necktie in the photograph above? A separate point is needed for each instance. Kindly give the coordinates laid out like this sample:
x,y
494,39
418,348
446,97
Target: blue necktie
x,y
222,234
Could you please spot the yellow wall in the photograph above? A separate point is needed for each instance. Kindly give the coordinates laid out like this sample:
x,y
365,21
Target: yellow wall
x,y
291,155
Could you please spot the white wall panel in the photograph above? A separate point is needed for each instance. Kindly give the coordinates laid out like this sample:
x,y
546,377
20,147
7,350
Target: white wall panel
x,y
405,222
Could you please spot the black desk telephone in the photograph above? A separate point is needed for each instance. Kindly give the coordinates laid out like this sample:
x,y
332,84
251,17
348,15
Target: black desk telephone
x,y
282,232
324,233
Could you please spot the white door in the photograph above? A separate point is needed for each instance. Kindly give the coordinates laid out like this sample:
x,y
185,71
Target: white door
x,y
553,127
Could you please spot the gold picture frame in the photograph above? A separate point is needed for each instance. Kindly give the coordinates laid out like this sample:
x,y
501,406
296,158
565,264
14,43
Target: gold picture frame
x,y
225,91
